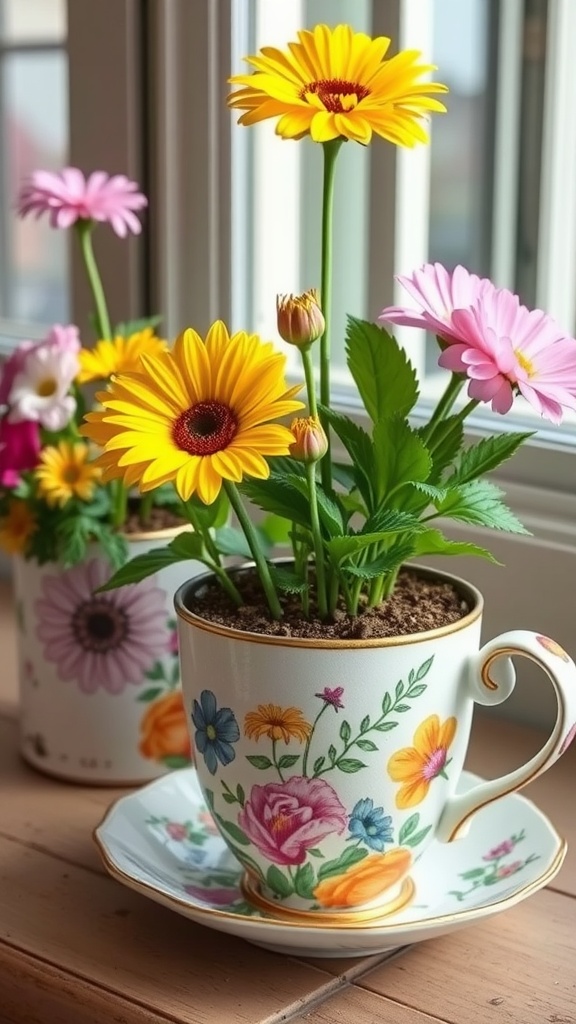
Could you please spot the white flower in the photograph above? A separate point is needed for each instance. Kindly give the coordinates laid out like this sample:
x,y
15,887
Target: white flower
x,y
39,391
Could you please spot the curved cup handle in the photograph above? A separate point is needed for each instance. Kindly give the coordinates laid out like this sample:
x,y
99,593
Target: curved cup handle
x,y
491,681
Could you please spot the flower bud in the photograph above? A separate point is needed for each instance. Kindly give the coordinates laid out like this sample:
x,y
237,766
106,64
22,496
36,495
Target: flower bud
x,y
300,319
310,441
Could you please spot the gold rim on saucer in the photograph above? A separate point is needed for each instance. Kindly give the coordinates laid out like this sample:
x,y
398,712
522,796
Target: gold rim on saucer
x,y
250,888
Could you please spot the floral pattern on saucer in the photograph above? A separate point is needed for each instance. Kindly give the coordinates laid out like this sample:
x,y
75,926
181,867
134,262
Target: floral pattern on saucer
x,y
161,841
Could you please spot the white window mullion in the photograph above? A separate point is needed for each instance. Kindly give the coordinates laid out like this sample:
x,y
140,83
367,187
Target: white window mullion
x,y
556,281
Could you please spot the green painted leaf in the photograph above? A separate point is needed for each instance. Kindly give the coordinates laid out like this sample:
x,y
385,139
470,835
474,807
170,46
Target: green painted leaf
x,y
305,881
385,726
401,708
366,745
386,703
408,828
416,690
479,503
229,798
209,798
365,724
287,760
418,837
240,795
485,456
350,765
341,864
345,732
314,852
234,831
259,761
399,689
424,669
150,694
332,753
278,882
468,876
381,370
401,457
156,672
174,761
318,765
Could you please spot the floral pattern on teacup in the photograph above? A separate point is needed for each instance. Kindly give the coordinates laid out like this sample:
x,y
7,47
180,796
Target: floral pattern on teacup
x,y
494,869
552,647
216,731
416,767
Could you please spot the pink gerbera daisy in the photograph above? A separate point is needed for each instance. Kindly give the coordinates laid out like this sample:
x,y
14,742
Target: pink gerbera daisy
x,y
104,640
437,292
69,196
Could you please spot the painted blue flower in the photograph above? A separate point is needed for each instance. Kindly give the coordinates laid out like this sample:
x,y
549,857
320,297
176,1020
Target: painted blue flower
x,y
371,825
216,731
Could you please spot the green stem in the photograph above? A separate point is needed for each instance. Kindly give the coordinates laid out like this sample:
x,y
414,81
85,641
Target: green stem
x,y
119,503
309,740
317,539
212,550
85,228
331,150
145,508
458,419
254,545
275,761
310,382
446,402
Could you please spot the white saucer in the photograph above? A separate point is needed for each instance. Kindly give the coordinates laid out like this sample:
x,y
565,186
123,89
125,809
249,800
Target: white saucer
x,y
160,840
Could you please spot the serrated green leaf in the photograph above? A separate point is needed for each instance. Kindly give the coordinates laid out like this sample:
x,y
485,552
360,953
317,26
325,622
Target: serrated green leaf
x,y
340,864
444,446
429,490
385,563
340,548
278,495
150,693
433,542
259,761
287,760
278,882
287,581
479,502
350,765
391,520
359,446
142,566
381,370
344,475
486,455
401,457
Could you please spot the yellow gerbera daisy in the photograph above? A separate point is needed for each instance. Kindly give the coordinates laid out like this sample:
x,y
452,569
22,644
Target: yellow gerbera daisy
x,y
196,414
417,766
117,355
277,723
16,527
65,472
335,83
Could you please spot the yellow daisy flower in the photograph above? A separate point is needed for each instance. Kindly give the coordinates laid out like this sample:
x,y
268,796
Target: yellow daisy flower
x,y
196,414
117,355
335,83
416,767
277,723
64,472
16,527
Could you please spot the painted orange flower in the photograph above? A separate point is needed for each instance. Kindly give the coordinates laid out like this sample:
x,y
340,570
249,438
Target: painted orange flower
x,y
277,723
417,766
553,647
163,729
364,881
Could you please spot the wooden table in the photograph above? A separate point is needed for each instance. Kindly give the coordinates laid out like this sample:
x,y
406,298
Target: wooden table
x,y
76,947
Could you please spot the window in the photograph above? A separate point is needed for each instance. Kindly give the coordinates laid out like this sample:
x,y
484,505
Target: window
x,y
34,288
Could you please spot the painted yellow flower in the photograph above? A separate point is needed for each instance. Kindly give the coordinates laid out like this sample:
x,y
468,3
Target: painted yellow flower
x,y
16,527
277,723
364,881
117,355
196,415
64,472
335,83
415,767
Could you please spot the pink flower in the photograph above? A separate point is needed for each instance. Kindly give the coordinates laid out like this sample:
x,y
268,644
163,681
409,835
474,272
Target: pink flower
x,y
437,292
220,896
176,831
70,196
332,696
509,869
19,450
66,339
105,640
503,848
39,391
286,819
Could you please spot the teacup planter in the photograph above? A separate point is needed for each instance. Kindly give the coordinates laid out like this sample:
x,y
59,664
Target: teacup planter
x,y
100,696
330,766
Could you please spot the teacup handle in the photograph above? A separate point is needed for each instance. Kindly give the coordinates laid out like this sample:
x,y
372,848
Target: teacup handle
x,y
491,681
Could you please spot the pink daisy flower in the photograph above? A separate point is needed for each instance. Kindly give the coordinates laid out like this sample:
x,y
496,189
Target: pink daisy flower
x,y
437,292
105,640
69,196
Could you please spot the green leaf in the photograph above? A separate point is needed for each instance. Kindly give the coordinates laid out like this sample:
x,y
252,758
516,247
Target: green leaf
x,y
385,563
408,827
416,690
230,541
341,548
366,745
185,546
332,753
235,831
391,520
156,672
240,795
129,327
259,761
276,529
479,503
229,798
150,694
365,724
174,761
208,517
445,446
278,882
287,760
287,581
345,732
314,852
433,542
485,456
418,837
385,726
472,873
350,765
359,446
401,457
383,375
424,669
399,691
429,490
386,703
344,475
209,797
278,495
340,864
318,765
328,510
305,881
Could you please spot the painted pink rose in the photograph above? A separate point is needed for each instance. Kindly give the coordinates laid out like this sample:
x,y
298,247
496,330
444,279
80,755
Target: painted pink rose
x,y
509,869
503,848
285,819
177,831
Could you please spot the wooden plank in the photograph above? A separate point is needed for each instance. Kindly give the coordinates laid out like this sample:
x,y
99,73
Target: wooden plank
x,y
8,677
107,939
355,1006
518,966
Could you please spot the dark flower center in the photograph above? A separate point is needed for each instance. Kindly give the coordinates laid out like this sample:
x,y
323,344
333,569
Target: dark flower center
x,y
331,92
100,627
206,428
